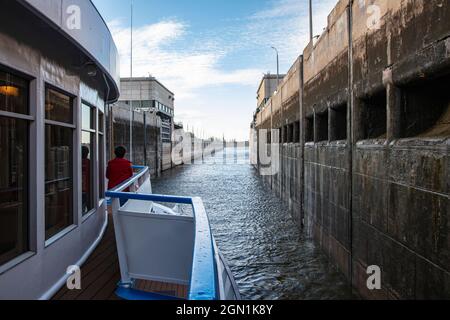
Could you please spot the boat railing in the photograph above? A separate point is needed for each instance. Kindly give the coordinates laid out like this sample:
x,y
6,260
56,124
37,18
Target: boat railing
x,y
203,280
142,173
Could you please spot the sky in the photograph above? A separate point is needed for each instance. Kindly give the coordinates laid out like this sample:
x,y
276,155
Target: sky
x,y
212,53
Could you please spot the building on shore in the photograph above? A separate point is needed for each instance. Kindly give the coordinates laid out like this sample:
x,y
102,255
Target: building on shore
x,y
363,118
57,78
268,85
150,95
149,99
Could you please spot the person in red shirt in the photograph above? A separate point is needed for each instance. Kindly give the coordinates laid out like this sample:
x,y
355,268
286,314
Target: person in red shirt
x,y
119,170
86,180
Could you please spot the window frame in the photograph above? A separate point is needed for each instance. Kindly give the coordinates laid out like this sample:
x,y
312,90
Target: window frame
x,y
94,160
73,126
30,212
101,165
74,103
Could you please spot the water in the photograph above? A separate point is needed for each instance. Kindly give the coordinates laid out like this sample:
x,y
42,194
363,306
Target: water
x,y
269,256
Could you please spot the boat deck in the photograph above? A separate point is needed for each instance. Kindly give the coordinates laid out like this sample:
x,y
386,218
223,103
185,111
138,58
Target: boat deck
x,y
100,275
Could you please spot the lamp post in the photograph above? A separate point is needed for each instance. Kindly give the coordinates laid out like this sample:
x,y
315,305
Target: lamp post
x,y
278,84
271,106
278,73
278,65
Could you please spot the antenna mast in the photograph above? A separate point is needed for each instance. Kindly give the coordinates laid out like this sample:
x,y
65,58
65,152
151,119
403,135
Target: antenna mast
x,y
131,47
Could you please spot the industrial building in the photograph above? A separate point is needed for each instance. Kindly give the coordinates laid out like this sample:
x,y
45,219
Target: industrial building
x,y
149,96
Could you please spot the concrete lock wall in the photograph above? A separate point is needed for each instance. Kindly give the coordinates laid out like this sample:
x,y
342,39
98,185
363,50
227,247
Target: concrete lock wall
x,y
166,156
146,143
365,144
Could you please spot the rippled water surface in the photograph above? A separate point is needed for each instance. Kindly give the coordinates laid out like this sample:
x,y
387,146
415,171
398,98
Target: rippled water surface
x,y
267,253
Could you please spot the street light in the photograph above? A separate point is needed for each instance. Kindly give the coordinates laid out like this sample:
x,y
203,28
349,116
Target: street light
x,y
271,105
278,65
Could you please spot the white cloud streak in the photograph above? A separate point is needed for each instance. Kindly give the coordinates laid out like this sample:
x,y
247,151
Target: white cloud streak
x,y
184,70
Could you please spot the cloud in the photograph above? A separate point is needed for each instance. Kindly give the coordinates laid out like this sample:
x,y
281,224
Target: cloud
x,y
285,25
156,53
280,9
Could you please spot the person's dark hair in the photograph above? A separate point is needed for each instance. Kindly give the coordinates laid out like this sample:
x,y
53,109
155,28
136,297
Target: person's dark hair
x,y
84,152
120,152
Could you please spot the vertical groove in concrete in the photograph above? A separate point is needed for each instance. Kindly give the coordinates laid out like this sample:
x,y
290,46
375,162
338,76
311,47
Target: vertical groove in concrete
x,y
350,110
302,146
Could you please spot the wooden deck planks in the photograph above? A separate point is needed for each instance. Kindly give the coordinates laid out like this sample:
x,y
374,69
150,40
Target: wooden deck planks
x,y
172,290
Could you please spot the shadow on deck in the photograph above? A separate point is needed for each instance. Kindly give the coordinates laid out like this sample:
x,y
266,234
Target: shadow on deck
x,y
101,274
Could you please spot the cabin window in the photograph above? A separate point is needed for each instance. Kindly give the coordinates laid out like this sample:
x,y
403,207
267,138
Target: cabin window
x,y
59,130
58,107
14,153
13,94
101,155
88,121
